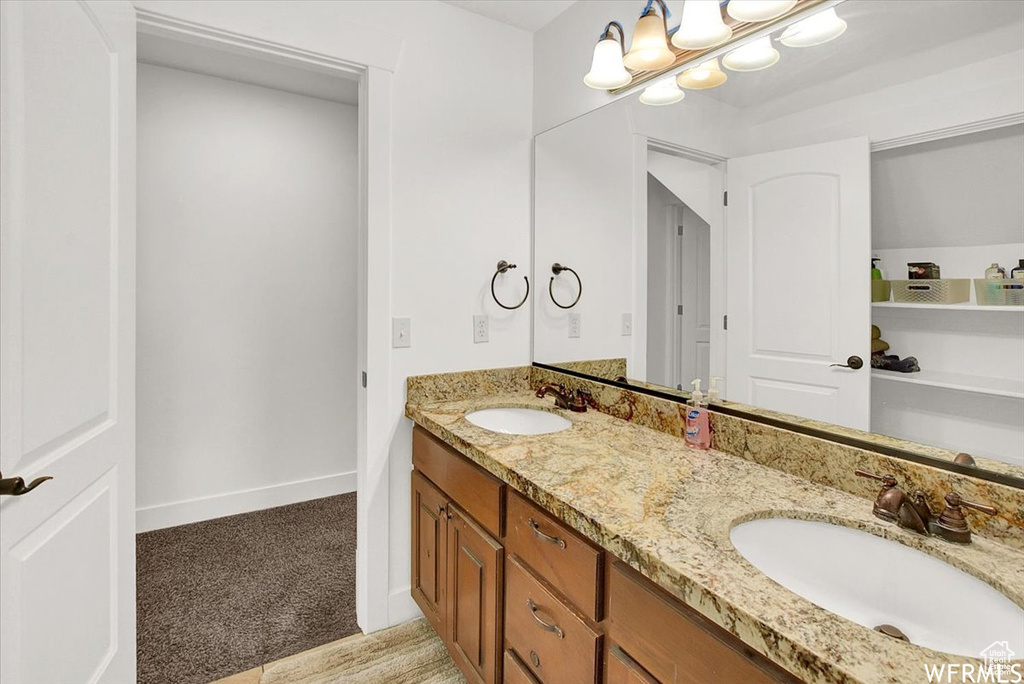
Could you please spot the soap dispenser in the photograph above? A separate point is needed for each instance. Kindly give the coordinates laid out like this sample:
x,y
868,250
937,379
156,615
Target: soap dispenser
x,y
698,428
713,393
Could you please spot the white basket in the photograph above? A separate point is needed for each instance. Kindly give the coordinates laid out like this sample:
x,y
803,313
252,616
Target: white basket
x,y
991,292
932,291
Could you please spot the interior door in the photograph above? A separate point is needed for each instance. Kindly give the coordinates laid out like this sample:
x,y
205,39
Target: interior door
x,y
799,304
693,340
67,341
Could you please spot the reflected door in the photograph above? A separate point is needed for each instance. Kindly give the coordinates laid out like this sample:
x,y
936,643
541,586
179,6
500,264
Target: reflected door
x,y
67,341
799,304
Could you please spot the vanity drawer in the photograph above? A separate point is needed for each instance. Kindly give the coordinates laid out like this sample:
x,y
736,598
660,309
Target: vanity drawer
x,y
674,643
559,555
478,492
555,644
516,672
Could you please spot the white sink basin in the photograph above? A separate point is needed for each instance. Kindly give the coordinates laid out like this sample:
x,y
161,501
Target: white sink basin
x,y
874,581
518,421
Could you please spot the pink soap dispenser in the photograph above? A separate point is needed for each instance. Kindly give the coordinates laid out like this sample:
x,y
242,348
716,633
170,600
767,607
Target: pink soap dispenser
x,y
698,428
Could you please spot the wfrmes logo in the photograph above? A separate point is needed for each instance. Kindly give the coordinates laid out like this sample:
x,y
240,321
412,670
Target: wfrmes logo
x,y
997,668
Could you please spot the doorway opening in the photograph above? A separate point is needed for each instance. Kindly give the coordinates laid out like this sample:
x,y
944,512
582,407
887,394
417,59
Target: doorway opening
x,y
248,329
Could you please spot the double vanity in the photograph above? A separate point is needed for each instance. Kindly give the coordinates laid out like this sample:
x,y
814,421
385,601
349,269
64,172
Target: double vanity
x,y
560,546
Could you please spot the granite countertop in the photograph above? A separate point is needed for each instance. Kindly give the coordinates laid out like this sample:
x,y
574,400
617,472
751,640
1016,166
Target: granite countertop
x,y
667,510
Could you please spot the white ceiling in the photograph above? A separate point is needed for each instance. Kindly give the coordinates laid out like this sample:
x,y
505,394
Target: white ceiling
x,y
525,14
201,59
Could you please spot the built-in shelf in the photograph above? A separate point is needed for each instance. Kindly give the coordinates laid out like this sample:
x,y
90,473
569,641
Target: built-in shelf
x,y
947,307
978,384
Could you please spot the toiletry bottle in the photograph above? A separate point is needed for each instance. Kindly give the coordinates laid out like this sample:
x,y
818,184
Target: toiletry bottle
x,y
995,272
698,428
876,274
1018,273
713,393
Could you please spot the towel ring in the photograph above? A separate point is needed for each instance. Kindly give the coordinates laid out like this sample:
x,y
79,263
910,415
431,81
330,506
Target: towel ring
x,y
557,268
504,266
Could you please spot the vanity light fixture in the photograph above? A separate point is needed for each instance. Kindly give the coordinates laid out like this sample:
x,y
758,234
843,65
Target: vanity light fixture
x,y
664,92
649,50
758,10
754,56
706,75
701,26
815,30
606,69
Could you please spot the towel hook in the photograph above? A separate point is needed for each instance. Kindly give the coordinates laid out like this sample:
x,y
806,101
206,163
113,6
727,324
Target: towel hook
x,y
557,269
504,266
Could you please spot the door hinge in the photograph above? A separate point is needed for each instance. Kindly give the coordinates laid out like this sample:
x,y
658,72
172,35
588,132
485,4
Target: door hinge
x,y
364,378
679,309
725,198
725,322
679,231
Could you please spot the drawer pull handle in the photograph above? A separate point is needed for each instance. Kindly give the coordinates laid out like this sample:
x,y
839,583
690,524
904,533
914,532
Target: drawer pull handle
x,y
545,537
546,626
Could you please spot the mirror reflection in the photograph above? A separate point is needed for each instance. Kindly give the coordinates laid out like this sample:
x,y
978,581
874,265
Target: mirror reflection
x,y
839,237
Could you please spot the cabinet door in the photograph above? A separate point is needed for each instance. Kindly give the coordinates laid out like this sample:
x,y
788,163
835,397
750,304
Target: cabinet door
x,y
429,550
475,581
624,670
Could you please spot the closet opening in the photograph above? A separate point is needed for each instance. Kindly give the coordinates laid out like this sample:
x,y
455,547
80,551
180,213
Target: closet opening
x,y
248,368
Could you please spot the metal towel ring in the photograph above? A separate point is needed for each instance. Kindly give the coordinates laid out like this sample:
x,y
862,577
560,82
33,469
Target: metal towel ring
x,y
504,266
557,268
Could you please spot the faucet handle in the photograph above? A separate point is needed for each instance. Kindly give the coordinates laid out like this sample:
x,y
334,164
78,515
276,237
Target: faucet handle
x,y
888,481
954,500
952,525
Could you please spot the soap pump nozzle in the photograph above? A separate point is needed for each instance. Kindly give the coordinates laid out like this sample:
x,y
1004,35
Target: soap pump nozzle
x,y
713,394
696,396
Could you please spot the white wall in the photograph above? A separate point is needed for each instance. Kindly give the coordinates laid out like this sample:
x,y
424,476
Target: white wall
x,y
662,291
247,216
460,196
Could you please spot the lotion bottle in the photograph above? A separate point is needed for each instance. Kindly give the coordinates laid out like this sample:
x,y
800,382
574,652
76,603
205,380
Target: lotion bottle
x,y
698,428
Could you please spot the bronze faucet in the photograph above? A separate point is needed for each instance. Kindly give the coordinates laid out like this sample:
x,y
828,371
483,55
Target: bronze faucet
x,y
913,513
571,400
952,525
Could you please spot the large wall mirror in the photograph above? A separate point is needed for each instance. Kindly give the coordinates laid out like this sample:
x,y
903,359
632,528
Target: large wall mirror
x,y
733,235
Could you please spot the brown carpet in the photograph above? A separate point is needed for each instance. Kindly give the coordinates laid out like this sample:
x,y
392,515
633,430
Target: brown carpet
x,y
407,654
225,595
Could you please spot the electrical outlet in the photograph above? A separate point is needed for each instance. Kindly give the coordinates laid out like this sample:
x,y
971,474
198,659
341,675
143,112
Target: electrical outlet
x,y
481,328
627,324
401,332
574,325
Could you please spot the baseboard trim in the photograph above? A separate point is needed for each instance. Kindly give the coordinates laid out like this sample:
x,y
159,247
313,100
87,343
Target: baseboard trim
x,y
196,510
401,607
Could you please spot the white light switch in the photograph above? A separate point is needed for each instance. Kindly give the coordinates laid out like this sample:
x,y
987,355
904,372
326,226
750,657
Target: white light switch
x,y
401,332
481,328
627,324
574,325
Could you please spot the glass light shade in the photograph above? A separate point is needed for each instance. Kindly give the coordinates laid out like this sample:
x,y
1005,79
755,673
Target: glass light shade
x,y
758,10
606,71
815,30
663,92
701,26
759,54
701,77
649,50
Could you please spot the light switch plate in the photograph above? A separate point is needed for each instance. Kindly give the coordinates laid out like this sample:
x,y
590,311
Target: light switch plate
x,y
574,325
481,328
401,332
627,324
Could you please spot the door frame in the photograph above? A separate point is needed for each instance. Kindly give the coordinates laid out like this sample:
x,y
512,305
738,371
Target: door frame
x,y
374,609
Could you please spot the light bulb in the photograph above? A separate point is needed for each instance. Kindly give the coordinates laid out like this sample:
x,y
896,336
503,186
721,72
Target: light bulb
x,y
701,26
649,50
703,76
815,30
753,56
664,92
758,10
606,70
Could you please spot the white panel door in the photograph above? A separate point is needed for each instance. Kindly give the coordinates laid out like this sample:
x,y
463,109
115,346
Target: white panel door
x,y
67,341
799,304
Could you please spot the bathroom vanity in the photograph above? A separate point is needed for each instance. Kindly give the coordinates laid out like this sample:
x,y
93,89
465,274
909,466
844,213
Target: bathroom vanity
x,y
602,552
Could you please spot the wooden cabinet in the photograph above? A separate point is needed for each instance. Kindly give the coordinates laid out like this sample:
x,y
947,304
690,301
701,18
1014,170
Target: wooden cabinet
x,y
624,670
429,547
475,591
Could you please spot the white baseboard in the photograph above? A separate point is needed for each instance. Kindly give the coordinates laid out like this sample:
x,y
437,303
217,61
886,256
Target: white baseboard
x,y
401,607
232,503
